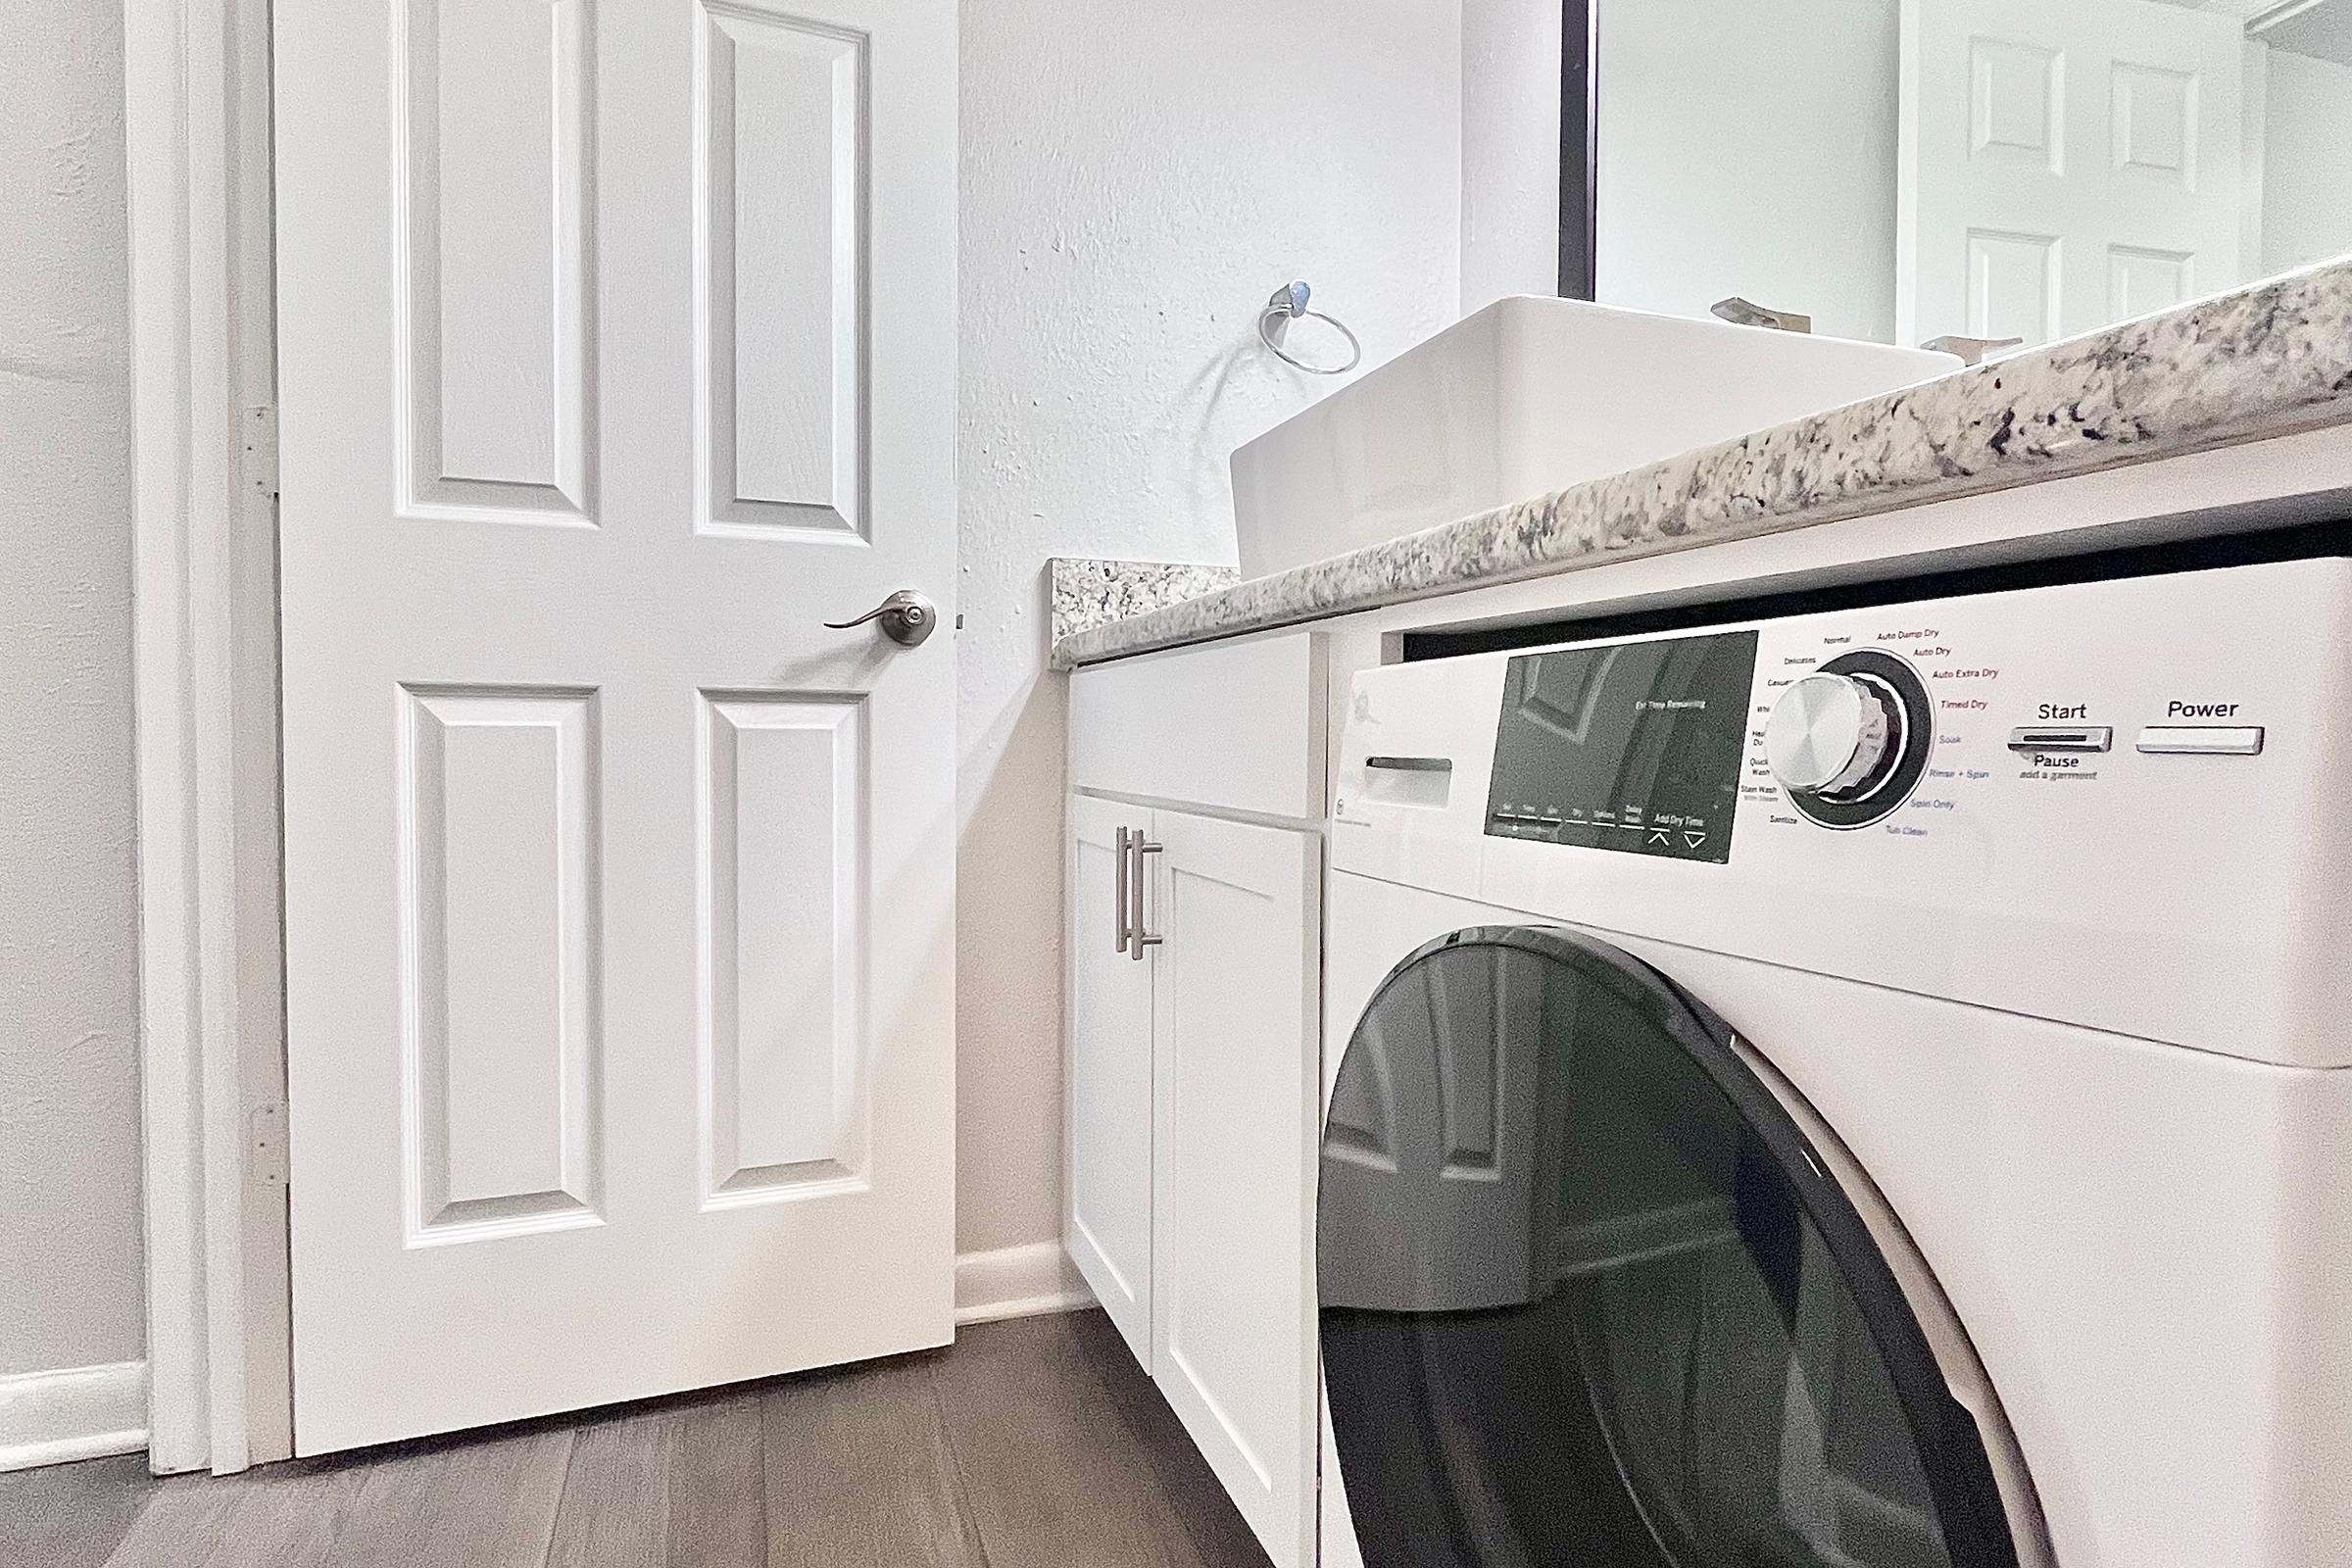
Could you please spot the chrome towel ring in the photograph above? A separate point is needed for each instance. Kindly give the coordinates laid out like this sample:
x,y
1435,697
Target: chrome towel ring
x,y
1289,305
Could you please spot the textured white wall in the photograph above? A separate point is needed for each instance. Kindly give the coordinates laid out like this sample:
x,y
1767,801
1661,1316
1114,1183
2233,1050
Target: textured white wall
x,y
70,1290
1137,179
2307,162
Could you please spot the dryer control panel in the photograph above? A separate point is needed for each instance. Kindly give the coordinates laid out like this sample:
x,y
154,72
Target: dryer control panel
x,y
2123,803
1635,747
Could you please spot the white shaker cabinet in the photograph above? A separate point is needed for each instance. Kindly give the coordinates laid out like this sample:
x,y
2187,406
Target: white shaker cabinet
x,y
1194,950
1234,1014
1107,1222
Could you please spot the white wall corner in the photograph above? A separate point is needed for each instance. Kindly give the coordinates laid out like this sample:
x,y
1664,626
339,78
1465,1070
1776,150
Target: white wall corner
x,y
76,1414
1017,1282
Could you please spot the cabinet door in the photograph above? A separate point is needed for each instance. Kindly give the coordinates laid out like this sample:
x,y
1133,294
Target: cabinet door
x,y
1107,1227
1234,1348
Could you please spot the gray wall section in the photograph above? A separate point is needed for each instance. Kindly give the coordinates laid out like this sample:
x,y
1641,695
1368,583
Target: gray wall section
x,y
70,1269
1719,177
2307,152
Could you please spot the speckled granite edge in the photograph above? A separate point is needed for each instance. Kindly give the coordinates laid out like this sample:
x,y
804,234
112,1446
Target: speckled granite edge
x,y
1089,593
2265,361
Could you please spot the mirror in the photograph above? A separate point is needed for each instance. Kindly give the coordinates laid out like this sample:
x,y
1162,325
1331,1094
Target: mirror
x,y
1906,170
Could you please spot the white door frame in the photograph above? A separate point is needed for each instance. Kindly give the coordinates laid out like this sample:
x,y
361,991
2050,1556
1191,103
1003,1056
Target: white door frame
x,y
212,972
196,78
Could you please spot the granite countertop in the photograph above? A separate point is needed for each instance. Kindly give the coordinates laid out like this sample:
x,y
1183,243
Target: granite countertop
x,y
1089,593
2265,361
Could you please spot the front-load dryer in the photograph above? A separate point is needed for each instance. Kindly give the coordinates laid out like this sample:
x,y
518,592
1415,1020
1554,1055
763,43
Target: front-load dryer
x,y
1863,1088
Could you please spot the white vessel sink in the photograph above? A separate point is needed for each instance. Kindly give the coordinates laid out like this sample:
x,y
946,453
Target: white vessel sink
x,y
1531,395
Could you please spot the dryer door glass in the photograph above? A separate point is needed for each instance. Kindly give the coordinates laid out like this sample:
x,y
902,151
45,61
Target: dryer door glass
x,y
1588,1297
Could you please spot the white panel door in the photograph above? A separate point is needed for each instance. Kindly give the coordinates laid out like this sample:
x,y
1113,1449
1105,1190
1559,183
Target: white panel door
x,y
1108,1180
2065,164
617,351
1239,912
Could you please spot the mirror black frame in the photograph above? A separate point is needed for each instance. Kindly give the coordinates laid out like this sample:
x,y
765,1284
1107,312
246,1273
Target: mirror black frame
x,y
1580,137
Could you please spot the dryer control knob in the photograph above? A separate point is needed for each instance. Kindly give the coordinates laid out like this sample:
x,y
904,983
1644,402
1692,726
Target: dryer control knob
x,y
1829,734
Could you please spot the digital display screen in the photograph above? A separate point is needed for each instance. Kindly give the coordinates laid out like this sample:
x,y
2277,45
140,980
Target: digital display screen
x,y
1633,747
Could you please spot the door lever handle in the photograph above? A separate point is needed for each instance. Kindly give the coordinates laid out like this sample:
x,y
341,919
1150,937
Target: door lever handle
x,y
906,617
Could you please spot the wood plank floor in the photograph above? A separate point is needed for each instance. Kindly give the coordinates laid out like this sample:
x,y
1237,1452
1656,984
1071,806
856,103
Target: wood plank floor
x,y
1036,1443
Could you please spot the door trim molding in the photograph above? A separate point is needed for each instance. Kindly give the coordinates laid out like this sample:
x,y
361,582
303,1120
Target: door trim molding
x,y
196,80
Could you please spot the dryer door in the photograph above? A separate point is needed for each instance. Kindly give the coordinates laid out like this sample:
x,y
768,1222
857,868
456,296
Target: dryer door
x,y
1590,1296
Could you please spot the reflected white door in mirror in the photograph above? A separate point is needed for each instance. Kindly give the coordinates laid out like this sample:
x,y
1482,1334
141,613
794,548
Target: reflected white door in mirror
x,y
2066,166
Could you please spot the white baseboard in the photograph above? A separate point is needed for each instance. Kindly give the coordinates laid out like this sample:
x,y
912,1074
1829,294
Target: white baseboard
x,y
1017,1282
77,1412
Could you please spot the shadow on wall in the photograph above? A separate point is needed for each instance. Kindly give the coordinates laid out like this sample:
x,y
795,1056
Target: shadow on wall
x,y
1212,416
1009,958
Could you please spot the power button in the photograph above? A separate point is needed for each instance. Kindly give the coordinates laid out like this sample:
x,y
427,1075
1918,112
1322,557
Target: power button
x,y
2203,739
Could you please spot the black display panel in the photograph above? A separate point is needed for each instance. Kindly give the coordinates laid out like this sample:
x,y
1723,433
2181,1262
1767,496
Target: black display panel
x,y
1633,747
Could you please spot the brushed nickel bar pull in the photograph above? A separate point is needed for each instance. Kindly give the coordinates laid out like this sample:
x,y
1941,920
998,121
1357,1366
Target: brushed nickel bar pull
x,y
1118,898
1138,939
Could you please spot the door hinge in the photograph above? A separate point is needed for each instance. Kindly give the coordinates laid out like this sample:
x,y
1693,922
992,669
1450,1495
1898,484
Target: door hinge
x,y
265,1145
260,456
